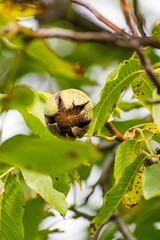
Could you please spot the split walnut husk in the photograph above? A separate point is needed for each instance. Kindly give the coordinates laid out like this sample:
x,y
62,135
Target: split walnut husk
x,y
68,113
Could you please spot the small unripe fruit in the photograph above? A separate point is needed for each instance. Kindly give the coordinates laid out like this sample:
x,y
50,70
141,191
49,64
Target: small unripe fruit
x,y
68,113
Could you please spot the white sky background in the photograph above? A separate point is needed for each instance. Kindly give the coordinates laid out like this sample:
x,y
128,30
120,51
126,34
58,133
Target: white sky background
x,y
111,9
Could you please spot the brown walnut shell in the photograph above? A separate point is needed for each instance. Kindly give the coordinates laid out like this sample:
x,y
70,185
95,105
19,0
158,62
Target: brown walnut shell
x,y
68,113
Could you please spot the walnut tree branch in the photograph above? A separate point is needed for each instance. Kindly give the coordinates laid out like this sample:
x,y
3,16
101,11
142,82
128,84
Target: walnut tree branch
x,y
139,18
80,213
147,66
102,18
114,131
144,60
99,37
123,227
129,19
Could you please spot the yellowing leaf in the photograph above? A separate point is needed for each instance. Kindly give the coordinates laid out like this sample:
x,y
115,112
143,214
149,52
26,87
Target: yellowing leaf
x,y
114,196
156,30
126,154
151,127
133,197
10,11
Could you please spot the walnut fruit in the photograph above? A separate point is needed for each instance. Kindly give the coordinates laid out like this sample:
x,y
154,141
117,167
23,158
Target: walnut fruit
x,y
68,113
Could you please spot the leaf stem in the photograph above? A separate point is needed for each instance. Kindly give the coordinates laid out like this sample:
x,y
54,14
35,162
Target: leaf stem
x,y
145,140
7,172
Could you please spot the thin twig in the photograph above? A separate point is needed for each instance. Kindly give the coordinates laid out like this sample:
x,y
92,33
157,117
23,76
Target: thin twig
x,y
139,18
123,227
72,35
106,168
145,141
102,18
80,214
151,101
129,20
144,60
108,164
148,68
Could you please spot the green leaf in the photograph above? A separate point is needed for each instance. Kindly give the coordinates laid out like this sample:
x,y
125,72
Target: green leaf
x,y
156,30
33,216
21,96
34,124
143,88
50,61
42,184
127,106
117,82
76,177
113,198
93,54
156,137
125,125
38,105
1,187
156,108
151,178
31,107
49,155
147,220
11,209
12,11
61,182
126,153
